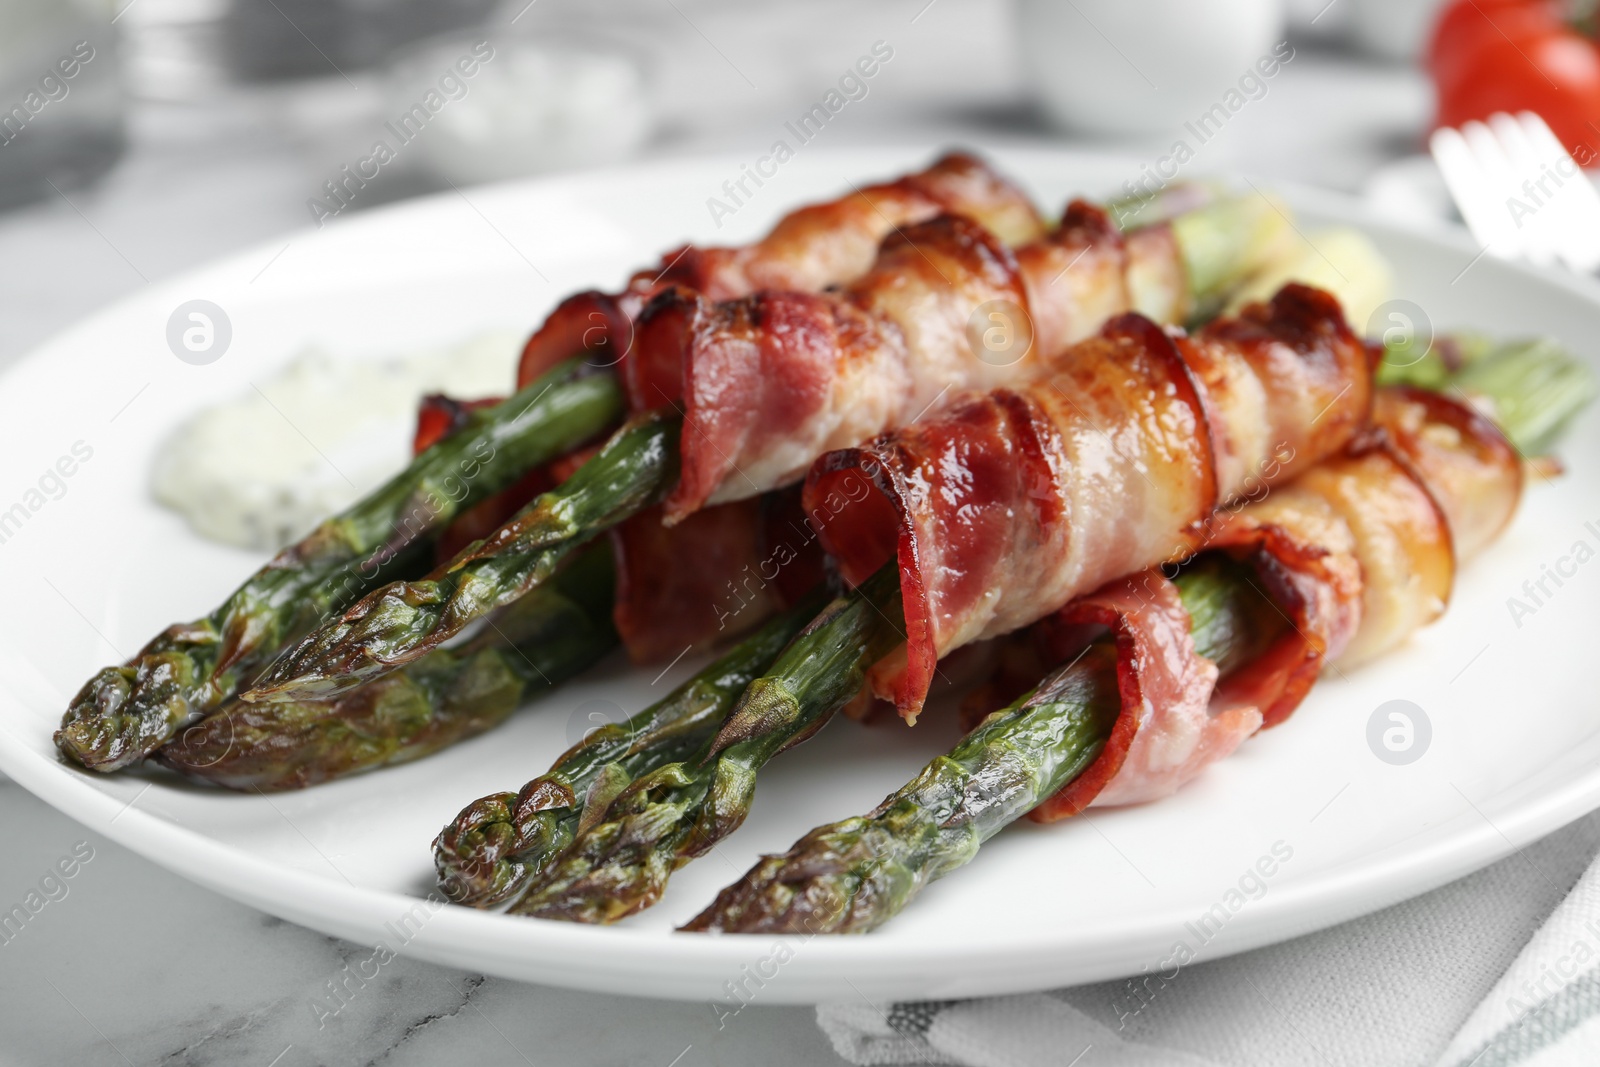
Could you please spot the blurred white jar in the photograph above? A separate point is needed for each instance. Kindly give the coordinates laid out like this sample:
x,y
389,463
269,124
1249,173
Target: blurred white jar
x,y
529,106
1135,67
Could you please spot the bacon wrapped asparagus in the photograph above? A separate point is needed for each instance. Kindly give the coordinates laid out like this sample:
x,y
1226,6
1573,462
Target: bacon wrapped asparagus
x,y
1354,556
851,876
769,382
1109,466
1017,501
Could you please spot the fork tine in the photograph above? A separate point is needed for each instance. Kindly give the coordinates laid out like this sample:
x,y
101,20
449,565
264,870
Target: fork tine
x,y
1501,177
1531,186
1472,191
1578,216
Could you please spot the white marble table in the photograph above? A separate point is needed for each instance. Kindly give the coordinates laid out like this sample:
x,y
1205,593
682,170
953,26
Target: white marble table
x,y
136,966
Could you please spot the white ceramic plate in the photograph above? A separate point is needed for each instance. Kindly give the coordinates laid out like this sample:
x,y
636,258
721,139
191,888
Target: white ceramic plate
x,y
1515,749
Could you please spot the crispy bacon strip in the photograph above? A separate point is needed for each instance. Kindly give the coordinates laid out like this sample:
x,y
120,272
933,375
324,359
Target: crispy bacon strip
x,y
1015,502
1357,552
808,250
1472,470
718,574
770,382
1305,558
778,379
668,599
1362,552
1166,733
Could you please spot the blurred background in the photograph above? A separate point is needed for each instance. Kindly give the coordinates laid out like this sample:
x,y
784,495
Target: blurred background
x,y
142,137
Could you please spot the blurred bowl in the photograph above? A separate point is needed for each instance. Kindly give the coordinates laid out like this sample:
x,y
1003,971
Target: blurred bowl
x,y
1134,67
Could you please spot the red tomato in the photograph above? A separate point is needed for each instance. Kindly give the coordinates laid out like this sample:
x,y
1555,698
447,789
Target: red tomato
x,y
1516,55
1464,25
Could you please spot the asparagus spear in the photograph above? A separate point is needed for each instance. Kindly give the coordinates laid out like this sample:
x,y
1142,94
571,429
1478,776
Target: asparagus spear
x,y
1533,387
1220,244
665,819
622,856
123,713
401,622
853,875
490,852
446,697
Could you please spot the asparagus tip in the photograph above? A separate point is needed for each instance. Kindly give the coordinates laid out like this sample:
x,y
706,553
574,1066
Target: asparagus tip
x,y
480,856
472,855
122,714
96,744
806,890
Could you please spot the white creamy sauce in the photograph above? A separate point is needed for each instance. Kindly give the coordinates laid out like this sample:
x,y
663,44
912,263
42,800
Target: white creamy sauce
x,y
261,470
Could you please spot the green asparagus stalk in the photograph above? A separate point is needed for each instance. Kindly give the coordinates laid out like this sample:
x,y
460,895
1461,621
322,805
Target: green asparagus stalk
x,y
1428,362
498,844
1532,387
621,859
852,876
124,713
402,622
447,696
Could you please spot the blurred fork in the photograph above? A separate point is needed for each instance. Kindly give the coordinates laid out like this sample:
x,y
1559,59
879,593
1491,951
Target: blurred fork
x,y
1521,194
